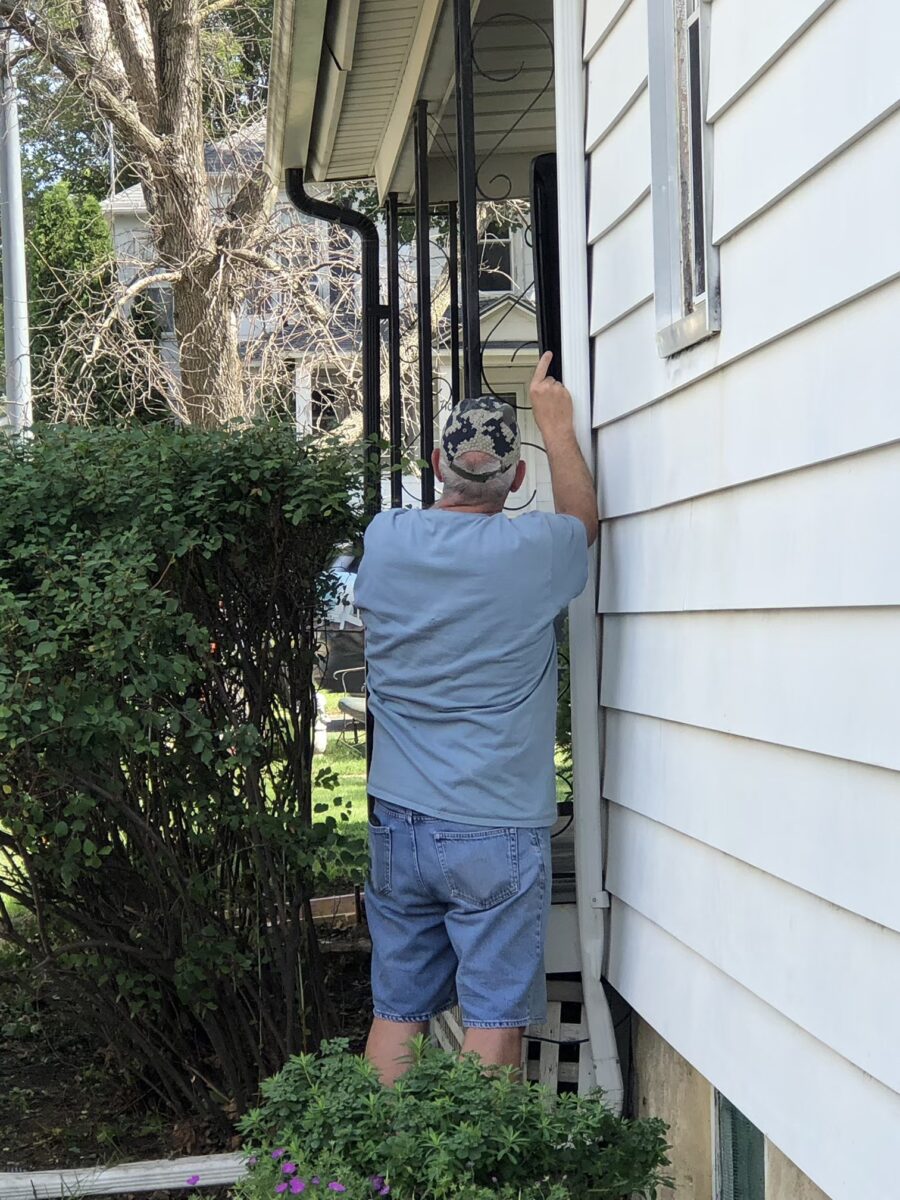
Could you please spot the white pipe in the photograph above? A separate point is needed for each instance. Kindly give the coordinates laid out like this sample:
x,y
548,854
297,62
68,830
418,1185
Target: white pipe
x,y
587,745
12,230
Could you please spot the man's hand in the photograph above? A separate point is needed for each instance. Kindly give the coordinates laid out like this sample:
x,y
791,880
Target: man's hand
x,y
573,487
551,402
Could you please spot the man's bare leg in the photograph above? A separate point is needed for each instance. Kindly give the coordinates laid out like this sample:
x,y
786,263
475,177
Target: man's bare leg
x,y
388,1047
495,1047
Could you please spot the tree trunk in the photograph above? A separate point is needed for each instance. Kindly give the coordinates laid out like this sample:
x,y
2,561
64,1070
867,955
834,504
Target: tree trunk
x,y
206,326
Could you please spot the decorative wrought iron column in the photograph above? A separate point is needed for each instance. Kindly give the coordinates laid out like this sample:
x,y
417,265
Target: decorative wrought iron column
x,y
453,269
468,214
396,397
423,284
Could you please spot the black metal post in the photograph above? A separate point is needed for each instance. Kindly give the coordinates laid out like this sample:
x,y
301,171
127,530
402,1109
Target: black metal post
x,y
371,319
423,284
453,268
468,215
396,398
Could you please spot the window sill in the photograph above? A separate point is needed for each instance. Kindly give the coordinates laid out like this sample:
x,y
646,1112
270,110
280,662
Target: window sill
x,y
687,331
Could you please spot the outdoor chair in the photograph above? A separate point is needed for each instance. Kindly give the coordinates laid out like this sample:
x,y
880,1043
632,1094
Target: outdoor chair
x,y
353,704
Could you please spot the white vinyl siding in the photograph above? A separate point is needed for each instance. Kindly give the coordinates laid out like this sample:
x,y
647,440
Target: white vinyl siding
x,y
750,579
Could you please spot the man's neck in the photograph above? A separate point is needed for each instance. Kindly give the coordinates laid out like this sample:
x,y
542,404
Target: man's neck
x,y
468,508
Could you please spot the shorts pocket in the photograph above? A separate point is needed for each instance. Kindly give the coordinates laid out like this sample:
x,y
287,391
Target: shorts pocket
x,y
380,859
480,867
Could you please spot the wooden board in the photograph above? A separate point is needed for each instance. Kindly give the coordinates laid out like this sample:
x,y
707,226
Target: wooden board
x,y
214,1170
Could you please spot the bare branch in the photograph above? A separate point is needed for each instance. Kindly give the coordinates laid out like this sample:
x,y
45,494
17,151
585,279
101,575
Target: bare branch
x,y
216,6
135,289
91,77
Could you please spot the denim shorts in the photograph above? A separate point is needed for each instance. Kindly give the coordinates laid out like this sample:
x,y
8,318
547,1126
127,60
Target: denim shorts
x,y
458,914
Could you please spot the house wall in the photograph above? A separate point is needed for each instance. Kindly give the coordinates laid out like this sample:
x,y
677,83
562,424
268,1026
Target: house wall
x,y
749,578
667,1086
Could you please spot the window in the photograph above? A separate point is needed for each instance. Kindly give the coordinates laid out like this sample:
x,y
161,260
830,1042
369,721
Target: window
x,y
740,1155
686,261
495,260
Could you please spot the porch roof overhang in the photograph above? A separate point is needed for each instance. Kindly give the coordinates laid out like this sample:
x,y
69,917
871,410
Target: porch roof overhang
x,y
346,76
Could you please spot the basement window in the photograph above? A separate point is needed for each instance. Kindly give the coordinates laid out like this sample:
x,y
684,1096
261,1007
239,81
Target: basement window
x,y
740,1155
686,261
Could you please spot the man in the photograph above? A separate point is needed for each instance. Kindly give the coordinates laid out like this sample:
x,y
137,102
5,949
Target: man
x,y
459,603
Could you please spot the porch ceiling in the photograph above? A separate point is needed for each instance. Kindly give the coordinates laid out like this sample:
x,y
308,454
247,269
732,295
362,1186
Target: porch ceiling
x,y
344,112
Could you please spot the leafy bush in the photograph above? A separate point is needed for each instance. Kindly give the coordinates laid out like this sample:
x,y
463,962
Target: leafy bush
x,y
159,597
448,1130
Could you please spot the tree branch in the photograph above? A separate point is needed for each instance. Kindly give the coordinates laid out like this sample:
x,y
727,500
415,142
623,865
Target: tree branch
x,y
135,289
88,75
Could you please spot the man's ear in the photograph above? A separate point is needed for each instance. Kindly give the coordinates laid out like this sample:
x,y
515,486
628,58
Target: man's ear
x,y
436,463
519,477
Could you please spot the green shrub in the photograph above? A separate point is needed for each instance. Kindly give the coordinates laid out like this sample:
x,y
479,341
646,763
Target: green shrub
x,y
447,1131
159,597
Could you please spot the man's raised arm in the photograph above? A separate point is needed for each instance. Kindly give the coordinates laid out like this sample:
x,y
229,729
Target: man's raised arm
x,y
573,486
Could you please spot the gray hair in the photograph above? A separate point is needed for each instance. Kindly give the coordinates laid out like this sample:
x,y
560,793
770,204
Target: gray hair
x,y
491,492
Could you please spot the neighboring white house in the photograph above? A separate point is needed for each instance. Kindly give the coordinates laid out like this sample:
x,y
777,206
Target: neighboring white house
x,y
320,374
742,165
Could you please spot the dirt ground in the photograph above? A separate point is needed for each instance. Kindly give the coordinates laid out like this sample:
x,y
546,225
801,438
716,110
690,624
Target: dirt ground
x,y
64,1101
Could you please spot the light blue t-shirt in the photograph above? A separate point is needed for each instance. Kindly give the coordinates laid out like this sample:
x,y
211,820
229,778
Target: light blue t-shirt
x,y
461,650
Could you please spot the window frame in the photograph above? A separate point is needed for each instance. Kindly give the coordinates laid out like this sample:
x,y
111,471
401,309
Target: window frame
x,y
729,1122
681,191
509,242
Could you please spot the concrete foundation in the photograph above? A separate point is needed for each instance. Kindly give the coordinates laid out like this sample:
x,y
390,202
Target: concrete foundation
x,y
669,1087
784,1181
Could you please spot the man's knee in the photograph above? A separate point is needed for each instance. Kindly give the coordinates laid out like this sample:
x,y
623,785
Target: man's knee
x,y
495,1047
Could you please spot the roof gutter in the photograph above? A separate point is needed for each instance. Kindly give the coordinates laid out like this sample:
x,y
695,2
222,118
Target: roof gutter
x,y
372,315
587,742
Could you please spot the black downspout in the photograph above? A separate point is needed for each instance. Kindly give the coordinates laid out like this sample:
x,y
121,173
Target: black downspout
x,y
372,314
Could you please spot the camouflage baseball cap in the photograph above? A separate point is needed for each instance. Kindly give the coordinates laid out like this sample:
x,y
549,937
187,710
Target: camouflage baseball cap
x,y
486,424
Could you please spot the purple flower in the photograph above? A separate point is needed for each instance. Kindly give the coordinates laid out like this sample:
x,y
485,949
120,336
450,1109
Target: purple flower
x,y
281,1187
278,1153
252,1161
385,1191
315,1179
192,1179
377,1181
336,1187
297,1185
289,1168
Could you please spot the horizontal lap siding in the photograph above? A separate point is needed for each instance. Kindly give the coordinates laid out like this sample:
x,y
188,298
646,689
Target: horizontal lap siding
x,y
836,1123
750,581
793,815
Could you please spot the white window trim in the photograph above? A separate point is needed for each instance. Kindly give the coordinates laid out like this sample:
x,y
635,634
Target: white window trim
x,y
680,322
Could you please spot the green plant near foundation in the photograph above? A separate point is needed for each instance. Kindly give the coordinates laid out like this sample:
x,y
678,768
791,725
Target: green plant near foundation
x,y
447,1131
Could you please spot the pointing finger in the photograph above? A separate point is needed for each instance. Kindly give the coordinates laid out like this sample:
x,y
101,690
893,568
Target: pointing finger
x,y
540,371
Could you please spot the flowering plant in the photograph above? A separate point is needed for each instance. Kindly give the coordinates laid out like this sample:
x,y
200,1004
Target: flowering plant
x,y
448,1130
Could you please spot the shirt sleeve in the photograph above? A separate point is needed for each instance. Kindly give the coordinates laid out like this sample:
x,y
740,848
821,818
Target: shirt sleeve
x,y
569,559
367,573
